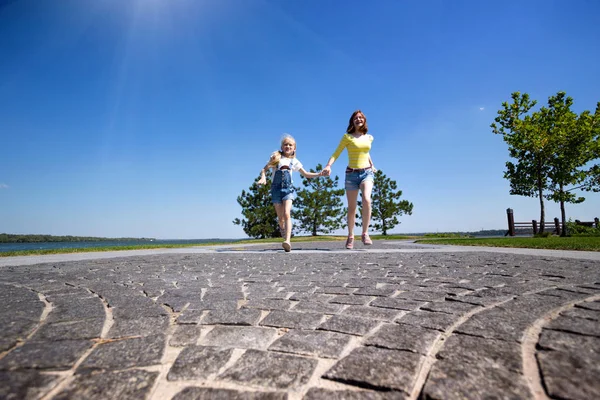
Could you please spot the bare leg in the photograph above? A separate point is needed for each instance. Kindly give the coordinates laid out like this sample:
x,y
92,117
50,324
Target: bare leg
x,y
287,218
352,196
366,189
280,217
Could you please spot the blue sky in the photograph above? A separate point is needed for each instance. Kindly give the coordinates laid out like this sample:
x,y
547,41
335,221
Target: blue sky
x,y
147,118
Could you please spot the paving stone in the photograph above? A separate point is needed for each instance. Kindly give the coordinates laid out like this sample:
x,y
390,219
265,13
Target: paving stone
x,y
484,353
269,304
319,307
243,337
70,330
380,314
219,295
205,305
294,320
593,315
429,319
576,325
568,376
351,325
71,311
7,343
399,304
125,353
485,362
17,327
586,346
590,305
25,384
326,394
336,290
404,337
377,368
422,296
122,385
451,380
143,326
479,300
57,355
450,307
198,362
312,343
244,316
185,335
270,370
138,308
352,300
498,323
200,393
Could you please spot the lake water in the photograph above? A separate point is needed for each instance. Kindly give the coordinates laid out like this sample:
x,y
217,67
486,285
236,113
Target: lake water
x,y
82,245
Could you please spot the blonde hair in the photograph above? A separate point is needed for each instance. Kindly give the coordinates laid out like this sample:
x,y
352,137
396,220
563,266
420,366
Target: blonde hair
x,y
276,156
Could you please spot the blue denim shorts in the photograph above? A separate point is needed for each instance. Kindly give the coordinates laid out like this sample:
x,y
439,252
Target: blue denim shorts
x,y
354,179
278,195
282,188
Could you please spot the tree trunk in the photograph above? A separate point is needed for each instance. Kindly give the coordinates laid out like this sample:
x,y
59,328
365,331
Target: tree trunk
x,y
563,214
541,197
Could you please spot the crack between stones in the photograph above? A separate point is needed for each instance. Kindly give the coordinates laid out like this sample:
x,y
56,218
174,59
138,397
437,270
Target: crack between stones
x,y
531,368
69,375
430,358
48,307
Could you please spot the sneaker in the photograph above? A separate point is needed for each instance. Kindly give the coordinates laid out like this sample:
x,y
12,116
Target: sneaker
x,y
286,246
366,239
350,242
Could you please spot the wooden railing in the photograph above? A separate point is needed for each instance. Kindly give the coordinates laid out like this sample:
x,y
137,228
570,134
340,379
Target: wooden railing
x,y
533,227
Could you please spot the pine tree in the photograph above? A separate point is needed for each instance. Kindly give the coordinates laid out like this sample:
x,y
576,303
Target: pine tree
x,y
260,216
319,207
386,205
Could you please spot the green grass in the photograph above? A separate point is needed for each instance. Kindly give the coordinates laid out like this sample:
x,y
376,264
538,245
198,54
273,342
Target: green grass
x,y
552,242
558,243
171,246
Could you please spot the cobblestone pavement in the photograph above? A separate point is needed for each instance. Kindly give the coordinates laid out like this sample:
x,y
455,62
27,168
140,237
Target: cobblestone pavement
x,y
254,322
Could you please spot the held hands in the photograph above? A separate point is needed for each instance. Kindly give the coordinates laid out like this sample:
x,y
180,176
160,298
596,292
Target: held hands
x,y
326,171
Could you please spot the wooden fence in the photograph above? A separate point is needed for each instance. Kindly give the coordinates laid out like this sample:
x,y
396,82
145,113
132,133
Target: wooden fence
x,y
533,227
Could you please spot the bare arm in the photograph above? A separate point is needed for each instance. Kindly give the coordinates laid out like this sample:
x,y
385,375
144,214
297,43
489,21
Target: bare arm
x,y
309,175
263,177
371,164
327,170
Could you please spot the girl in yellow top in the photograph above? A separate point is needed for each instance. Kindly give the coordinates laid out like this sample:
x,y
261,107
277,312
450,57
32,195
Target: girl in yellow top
x,y
359,173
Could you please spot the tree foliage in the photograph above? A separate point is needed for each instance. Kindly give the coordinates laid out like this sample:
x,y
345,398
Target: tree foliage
x,y
319,207
527,142
260,217
386,205
552,149
572,137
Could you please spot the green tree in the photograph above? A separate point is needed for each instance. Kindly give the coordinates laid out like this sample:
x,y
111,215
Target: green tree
x,y
319,207
553,149
530,147
260,216
572,138
386,205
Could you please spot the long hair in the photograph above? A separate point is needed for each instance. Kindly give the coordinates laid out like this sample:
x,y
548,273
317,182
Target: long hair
x,y
351,128
276,156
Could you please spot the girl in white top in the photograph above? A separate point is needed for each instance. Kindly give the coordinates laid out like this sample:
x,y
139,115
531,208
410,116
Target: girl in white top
x,y
283,162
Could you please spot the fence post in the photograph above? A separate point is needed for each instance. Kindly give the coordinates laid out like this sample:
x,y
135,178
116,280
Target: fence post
x,y
511,222
597,222
535,227
557,226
